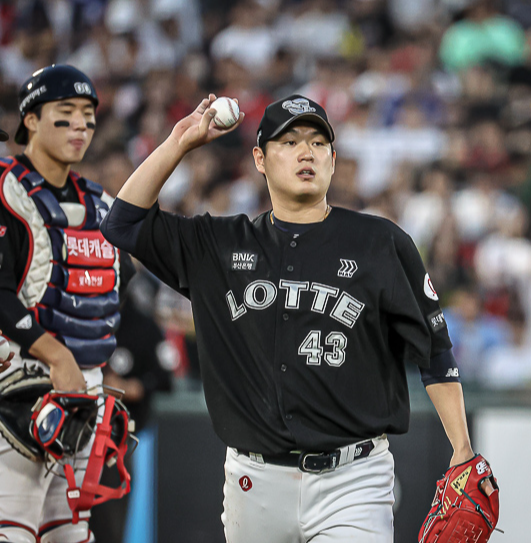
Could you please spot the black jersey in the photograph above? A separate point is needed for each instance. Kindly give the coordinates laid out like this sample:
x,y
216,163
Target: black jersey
x,y
303,339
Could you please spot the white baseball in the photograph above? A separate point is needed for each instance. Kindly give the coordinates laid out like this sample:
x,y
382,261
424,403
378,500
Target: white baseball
x,y
227,110
5,349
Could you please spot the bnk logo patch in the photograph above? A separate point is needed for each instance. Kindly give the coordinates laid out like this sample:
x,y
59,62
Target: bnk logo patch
x,y
244,261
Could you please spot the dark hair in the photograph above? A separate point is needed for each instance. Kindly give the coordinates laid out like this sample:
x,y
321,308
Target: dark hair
x,y
37,110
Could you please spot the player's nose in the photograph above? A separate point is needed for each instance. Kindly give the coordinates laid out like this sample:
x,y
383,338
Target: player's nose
x,y
306,152
79,121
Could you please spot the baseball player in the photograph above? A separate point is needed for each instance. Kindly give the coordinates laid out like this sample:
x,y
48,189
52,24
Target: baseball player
x,y
306,317
59,282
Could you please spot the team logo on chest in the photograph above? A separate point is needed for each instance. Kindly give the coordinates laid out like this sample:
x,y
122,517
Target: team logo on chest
x,y
241,261
347,269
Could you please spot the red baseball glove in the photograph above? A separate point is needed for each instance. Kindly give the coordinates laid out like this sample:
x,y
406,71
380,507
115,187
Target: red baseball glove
x,y
461,512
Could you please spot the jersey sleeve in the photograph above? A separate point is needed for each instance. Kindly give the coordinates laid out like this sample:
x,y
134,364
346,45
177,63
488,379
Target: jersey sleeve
x,y
16,322
12,234
170,246
415,316
443,369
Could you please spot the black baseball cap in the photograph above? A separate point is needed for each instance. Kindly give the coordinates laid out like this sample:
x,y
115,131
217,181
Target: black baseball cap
x,y
281,114
49,84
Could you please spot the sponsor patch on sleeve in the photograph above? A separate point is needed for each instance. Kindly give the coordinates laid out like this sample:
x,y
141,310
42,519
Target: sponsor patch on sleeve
x,y
437,321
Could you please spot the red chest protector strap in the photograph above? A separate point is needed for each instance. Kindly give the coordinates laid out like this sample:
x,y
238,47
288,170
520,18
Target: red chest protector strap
x,y
107,447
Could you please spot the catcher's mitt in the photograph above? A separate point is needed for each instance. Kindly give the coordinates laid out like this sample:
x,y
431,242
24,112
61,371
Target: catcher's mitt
x,y
18,393
39,422
461,511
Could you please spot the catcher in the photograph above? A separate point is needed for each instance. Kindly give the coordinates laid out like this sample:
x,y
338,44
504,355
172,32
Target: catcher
x,y
59,307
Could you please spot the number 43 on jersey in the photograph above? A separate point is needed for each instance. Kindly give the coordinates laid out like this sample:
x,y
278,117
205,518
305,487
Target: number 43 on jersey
x,y
312,348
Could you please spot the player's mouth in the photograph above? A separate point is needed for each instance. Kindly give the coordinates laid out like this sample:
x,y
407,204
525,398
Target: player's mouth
x,y
306,173
78,143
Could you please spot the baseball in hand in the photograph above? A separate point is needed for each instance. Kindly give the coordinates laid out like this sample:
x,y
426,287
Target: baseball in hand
x,y
228,112
5,349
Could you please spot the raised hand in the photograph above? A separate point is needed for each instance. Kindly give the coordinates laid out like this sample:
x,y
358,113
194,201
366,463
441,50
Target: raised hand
x,y
198,128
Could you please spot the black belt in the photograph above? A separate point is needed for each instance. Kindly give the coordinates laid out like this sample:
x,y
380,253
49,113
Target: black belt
x,y
312,462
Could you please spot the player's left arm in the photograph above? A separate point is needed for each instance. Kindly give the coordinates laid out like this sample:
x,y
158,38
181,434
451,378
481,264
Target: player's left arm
x,y
449,403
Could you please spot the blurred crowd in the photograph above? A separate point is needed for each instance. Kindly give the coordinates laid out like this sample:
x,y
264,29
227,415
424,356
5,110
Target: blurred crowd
x,y
430,100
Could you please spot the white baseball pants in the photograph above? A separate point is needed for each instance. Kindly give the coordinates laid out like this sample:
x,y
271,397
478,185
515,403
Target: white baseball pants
x,y
266,503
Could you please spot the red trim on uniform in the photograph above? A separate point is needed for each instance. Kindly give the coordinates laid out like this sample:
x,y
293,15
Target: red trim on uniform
x,y
33,191
21,219
81,195
53,524
35,313
17,525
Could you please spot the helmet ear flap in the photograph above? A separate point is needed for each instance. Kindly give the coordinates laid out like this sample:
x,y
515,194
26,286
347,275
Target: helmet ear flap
x,y
63,423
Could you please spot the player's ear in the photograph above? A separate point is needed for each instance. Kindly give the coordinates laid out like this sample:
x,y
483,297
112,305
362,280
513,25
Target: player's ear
x,y
334,161
259,159
30,121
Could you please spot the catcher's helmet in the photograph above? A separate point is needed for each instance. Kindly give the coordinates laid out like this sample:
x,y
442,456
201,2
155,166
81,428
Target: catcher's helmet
x,y
63,423
54,82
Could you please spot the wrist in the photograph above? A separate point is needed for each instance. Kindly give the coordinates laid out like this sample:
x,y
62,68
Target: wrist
x,y
462,454
177,145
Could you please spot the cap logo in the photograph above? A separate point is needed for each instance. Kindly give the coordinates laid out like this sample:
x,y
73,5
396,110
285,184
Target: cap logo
x,y
31,96
82,88
298,106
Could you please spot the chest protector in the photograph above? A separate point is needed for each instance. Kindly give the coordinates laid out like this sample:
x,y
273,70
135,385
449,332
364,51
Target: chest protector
x,y
71,278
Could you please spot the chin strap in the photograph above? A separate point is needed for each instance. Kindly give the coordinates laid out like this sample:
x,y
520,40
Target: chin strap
x,y
104,450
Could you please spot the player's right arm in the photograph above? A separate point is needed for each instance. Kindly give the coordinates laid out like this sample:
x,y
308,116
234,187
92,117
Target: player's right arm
x,y
143,187
64,371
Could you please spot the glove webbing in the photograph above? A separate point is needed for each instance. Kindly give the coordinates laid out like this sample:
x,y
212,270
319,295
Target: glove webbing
x,y
480,511
427,525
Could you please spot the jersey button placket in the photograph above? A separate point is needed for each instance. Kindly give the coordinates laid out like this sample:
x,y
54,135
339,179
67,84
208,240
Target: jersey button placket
x,y
283,367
